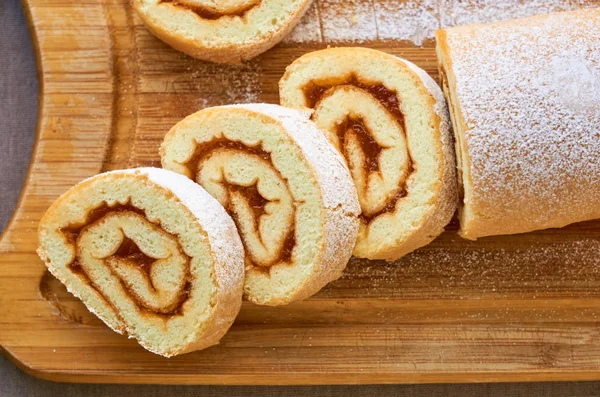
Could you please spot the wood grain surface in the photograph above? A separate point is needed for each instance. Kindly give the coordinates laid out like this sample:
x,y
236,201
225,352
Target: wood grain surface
x,y
503,308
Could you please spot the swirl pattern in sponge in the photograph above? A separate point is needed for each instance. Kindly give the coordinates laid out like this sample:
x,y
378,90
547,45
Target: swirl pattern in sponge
x,y
225,31
286,187
388,119
149,252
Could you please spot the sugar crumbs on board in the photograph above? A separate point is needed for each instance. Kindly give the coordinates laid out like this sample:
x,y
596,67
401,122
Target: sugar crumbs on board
x,y
468,271
358,21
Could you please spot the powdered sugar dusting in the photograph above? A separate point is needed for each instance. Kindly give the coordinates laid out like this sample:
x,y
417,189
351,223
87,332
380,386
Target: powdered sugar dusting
x,y
472,270
347,20
463,12
309,28
219,84
574,82
533,116
407,20
359,21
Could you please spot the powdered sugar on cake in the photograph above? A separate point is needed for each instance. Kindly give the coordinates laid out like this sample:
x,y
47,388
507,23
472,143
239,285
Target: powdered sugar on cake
x,y
529,92
574,82
356,21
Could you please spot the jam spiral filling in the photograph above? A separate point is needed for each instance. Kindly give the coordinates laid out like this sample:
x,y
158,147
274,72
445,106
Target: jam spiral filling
x,y
264,219
353,132
126,254
214,12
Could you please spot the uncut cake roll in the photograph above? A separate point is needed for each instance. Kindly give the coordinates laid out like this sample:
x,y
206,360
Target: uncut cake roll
x,y
524,97
228,31
286,187
151,254
389,120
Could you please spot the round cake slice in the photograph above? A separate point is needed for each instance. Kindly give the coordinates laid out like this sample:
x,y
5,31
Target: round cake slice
x,y
389,120
286,187
228,31
150,253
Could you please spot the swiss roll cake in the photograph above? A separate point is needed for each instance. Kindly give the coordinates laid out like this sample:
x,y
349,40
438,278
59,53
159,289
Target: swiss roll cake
x,y
524,97
228,31
389,120
150,253
287,189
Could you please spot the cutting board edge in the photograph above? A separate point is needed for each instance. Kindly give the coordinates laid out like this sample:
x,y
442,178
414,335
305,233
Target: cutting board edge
x,y
305,379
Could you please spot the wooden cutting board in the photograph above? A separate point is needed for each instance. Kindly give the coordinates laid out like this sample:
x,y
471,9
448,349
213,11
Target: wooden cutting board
x,y
515,308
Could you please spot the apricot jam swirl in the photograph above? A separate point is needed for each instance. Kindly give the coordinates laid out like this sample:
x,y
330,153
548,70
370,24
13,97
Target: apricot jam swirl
x,y
125,235
254,193
365,122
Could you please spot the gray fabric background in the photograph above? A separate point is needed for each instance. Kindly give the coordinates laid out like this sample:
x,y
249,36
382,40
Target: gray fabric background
x,y
18,114
18,104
